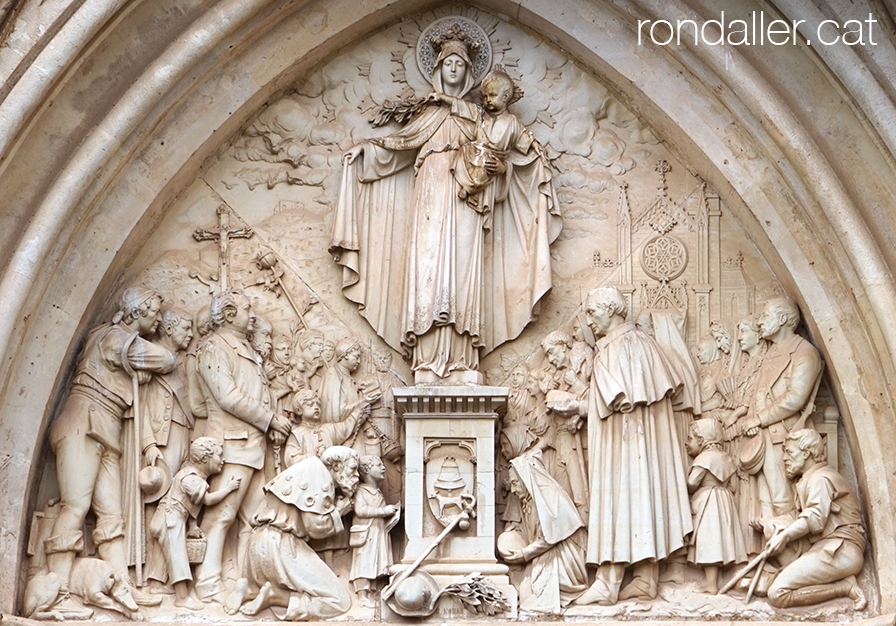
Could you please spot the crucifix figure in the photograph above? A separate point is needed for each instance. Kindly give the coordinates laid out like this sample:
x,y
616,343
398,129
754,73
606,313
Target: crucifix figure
x,y
222,234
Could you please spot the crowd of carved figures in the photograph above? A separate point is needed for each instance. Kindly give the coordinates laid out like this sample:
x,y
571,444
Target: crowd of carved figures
x,y
272,406
619,450
672,462
226,460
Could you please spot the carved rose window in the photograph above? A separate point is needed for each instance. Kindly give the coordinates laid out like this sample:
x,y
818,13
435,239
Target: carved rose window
x,y
664,258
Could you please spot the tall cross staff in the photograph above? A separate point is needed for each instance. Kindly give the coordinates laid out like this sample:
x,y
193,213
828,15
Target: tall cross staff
x,y
222,234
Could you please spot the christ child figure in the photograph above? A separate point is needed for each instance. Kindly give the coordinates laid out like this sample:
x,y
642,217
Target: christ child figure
x,y
372,548
483,161
717,539
189,491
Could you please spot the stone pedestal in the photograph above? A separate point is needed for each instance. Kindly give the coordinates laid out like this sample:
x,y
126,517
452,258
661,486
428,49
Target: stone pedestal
x,y
450,452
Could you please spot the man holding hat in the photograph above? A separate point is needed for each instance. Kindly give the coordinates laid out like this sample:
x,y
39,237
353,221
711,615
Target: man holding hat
x,y
167,424
784,397
86,436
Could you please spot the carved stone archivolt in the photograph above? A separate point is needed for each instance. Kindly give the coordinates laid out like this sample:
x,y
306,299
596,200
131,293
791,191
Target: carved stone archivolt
x,y
585,436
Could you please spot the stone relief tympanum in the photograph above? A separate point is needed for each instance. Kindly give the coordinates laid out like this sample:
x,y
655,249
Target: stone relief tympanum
x,y
241,437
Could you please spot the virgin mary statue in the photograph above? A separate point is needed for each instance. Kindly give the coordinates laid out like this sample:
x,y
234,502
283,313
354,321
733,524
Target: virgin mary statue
x,y
436,278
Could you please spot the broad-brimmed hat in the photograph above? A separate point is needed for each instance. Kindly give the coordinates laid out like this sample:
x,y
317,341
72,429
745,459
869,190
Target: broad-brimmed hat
x,y
155,480
751,454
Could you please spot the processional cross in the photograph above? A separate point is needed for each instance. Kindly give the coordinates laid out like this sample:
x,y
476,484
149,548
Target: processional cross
x,y
222,234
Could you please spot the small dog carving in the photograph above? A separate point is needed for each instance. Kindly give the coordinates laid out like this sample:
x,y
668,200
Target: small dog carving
x,y
98,584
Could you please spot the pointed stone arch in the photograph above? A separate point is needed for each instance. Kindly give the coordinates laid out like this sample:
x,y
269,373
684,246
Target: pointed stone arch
x,y
101,130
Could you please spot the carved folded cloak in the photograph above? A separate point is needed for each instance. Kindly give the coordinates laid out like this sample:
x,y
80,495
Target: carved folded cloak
x,y
639,506
414,254
668,329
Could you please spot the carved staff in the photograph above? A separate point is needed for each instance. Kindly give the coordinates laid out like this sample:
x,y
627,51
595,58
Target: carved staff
x,y
755,580
464,516
138,494
267,260
730,584
758,560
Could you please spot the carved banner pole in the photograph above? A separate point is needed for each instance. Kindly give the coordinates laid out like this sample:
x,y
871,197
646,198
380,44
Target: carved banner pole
x,y
138,493
138,549
267,260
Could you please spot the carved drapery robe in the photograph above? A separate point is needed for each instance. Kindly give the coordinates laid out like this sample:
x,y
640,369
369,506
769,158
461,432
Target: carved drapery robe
x,y
372,559
278,551
668,330
718,533
639,505
402,233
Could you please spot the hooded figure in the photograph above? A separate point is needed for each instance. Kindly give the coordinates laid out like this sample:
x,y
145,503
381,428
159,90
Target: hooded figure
x,y
668,330
554,538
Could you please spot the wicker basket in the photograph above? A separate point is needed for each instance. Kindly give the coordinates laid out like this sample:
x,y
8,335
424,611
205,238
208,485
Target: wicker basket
x,y
196,549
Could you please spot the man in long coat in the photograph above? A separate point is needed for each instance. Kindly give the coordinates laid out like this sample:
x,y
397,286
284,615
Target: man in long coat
x,y
639,508
239,414
167,418
784,395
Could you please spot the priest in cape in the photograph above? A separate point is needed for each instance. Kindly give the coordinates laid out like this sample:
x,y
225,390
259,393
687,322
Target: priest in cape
x,y
639,507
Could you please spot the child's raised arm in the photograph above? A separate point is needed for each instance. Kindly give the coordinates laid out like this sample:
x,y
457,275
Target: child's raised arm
x,y
214,497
